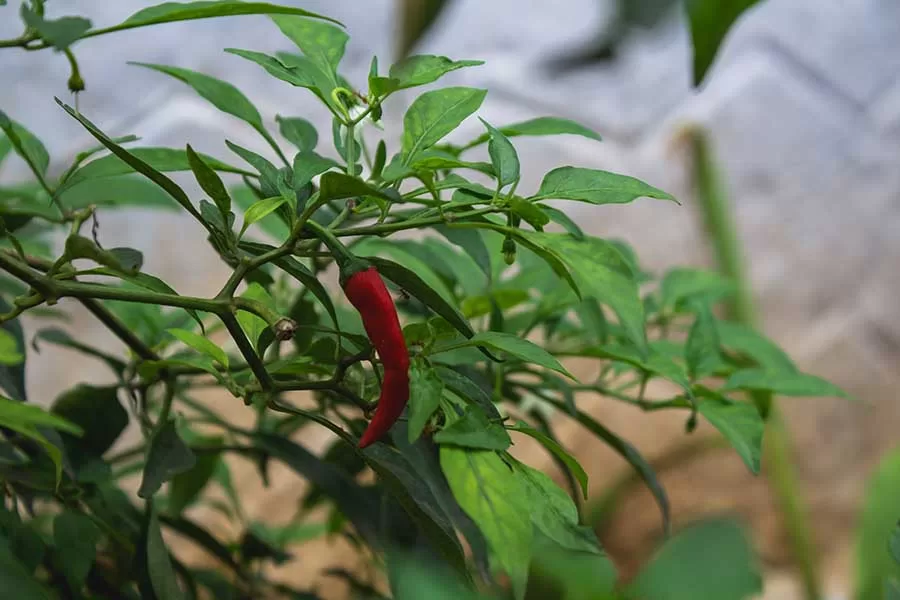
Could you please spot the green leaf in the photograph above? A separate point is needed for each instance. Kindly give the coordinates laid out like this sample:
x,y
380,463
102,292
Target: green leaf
x,y
167,457
163,160
653,363
435,114
630,454
709,560
300,132
356,503
416,287
570,574
25,144
741,425
260,209
710,21
530,212
322,43
466,388
599,271
553,446
209,181
308,164
423,69
201,344
561,218
300,74
503,155
595,186
474,430
337,186
97,412
518,347
187,486
15,576
117,192
701,350
13,412
135,162
686,287
252,324
12,377
553,512
412,578
25,419
539,127
59,33
875,534
75,539
10,353
749,342
276,227
298,271
783,383
168,12
471,242
488,490
146,281
425,390
220,94
159,564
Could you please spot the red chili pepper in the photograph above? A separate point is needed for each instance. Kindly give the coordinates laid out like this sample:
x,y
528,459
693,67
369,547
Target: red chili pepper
x,y
367,293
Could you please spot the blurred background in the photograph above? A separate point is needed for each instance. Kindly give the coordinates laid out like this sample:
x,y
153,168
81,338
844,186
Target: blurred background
x,y
802,107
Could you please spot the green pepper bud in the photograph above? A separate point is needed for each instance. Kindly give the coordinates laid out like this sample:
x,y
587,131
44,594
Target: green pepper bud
x,y
509,250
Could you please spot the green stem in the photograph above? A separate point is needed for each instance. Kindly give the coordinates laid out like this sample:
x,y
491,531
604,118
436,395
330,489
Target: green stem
x,y
404,225
246,349
720,226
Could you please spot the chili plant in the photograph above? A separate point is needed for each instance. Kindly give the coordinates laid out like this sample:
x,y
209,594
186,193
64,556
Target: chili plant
x,y
495,291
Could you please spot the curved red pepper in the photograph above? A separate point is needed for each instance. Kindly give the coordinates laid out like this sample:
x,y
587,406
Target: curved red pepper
x,y
367,293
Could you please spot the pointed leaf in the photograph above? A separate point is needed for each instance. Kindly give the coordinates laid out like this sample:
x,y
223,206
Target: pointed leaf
x,y
167,457
504,157
595,186
159,564
136,163
300,132
168,12
785,384
553,446
518,347
701,351
741,425
599,271
201,344
75,538
59,33
435,114
259,210
423,69
25,144
553,512
321,42
209,181
474,430
425,390
541,126
308,164
708,560
488,491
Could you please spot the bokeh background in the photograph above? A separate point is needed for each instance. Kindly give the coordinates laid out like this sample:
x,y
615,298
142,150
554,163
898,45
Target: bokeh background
x,y
803,110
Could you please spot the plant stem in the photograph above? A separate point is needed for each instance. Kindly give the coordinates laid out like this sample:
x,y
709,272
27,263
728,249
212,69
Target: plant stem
x,y
720,226
246,348
403,225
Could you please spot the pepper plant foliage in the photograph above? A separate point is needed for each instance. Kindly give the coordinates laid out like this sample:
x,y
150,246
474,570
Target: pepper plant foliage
x,y
496,289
